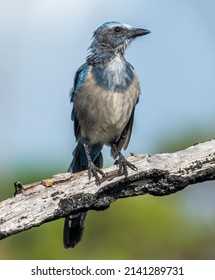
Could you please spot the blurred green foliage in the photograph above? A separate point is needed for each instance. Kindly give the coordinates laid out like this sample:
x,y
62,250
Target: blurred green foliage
x,y
143,227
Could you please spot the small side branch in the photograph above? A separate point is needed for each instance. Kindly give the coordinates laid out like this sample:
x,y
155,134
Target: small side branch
x,y
159,174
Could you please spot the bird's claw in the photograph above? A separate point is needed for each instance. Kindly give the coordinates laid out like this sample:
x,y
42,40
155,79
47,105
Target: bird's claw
x,y
123,164
93,171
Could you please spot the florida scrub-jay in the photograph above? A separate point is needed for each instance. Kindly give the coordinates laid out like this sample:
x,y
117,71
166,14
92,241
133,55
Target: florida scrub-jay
x,y
104,96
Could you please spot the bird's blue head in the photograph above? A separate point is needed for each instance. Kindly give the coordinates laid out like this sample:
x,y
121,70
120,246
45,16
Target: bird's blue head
x,y
112,38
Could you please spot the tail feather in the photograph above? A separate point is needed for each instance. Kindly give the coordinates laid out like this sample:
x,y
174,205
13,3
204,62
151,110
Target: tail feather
x,y
73,229
79,162
74,224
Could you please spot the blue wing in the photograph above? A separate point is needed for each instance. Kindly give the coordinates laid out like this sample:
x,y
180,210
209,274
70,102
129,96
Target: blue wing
x,y
78,81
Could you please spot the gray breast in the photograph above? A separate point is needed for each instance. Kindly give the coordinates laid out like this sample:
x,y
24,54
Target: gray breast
x,y
103,113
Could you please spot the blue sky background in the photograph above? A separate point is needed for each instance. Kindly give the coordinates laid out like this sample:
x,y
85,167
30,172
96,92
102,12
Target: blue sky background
x,y
43,42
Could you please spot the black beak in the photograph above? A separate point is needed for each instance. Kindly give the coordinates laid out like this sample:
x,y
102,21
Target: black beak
x,y
136,32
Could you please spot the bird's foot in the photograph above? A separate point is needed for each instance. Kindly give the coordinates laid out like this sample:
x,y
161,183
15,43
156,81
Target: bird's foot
x,y
124,164
93,171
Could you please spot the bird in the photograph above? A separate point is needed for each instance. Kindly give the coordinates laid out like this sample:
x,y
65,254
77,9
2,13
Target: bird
x,y
104,96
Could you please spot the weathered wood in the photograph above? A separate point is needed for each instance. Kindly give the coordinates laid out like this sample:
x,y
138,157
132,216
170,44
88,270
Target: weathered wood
x,y
159,174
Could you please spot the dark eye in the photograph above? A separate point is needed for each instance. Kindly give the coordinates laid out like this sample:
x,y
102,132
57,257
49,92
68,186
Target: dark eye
x,y
117,29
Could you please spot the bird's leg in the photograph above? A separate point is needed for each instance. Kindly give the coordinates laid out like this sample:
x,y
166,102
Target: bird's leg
x,y
93,170
123,163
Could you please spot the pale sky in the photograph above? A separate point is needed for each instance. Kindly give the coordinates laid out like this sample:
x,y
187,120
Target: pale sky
x,y
42,43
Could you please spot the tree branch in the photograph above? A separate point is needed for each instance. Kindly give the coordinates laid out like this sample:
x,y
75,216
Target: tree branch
x,y
50,199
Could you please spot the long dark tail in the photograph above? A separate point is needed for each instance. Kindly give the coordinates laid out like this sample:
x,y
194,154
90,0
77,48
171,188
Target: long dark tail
x,y
73,229
74,224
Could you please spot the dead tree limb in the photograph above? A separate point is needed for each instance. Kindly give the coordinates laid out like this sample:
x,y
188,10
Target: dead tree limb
x,y
159,174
